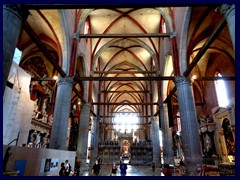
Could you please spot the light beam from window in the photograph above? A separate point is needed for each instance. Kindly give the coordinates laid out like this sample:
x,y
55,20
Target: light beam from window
x,y
221,91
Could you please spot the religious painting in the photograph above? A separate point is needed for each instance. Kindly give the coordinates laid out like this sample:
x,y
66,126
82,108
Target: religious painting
x,y
125,146
54,164
228,134
47,165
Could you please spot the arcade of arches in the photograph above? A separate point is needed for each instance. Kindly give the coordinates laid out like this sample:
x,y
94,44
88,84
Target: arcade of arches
x,y
141,84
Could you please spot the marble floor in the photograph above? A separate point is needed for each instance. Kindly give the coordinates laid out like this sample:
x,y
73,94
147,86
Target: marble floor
x,y
131,171
139,170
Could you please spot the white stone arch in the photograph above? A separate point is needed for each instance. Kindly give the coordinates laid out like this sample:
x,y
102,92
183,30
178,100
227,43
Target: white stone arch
x,y
167,71
141,43
130,65
155,91
167,18
85,13
65,46
183,40
84,69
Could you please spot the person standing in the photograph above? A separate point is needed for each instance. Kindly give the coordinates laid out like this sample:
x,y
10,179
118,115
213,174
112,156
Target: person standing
x,y
123,168
33,143
77,166
96,168
62,170
113,170
153,166
67,168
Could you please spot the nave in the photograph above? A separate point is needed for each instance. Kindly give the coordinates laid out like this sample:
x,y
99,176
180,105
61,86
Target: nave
x,y
131,171
146,81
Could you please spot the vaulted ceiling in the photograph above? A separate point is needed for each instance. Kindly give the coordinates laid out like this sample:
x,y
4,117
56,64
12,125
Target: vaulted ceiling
x,y
125,43
126,56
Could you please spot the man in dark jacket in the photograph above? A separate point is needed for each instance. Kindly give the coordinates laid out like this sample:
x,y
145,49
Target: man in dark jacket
x,y
123,168
62,170
96,168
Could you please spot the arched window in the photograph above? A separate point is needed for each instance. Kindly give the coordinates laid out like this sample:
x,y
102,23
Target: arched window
x,y
163,25
86,27
17,56
221,91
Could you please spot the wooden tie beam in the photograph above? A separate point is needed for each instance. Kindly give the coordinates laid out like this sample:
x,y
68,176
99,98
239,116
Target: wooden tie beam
x,y
144,116
125,91
128,104
126,124
136,35
155,78
124,72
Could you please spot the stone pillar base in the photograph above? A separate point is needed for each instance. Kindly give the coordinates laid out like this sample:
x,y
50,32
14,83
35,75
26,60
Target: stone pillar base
x,y
84,168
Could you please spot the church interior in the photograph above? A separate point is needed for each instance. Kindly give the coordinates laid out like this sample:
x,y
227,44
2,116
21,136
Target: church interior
x,y
123,83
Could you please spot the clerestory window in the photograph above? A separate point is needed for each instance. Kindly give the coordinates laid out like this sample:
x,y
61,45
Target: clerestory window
x,y
17,56
221,91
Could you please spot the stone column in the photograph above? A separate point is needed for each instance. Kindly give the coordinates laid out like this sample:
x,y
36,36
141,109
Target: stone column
x,y
94,142
228,11
13,16
189,125
149,129
156,141
168,155
59,130
93,135
101,129
83,137
221,145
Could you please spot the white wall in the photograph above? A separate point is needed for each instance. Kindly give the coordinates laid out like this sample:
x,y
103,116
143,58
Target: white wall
x,y
17,106
35,159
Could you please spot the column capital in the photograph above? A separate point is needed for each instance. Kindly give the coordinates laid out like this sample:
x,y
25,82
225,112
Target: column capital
x,y
65,81
153,118
17,9
173,34
163,106
179,80
86,104
160,105
226,9
96,118
76,36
